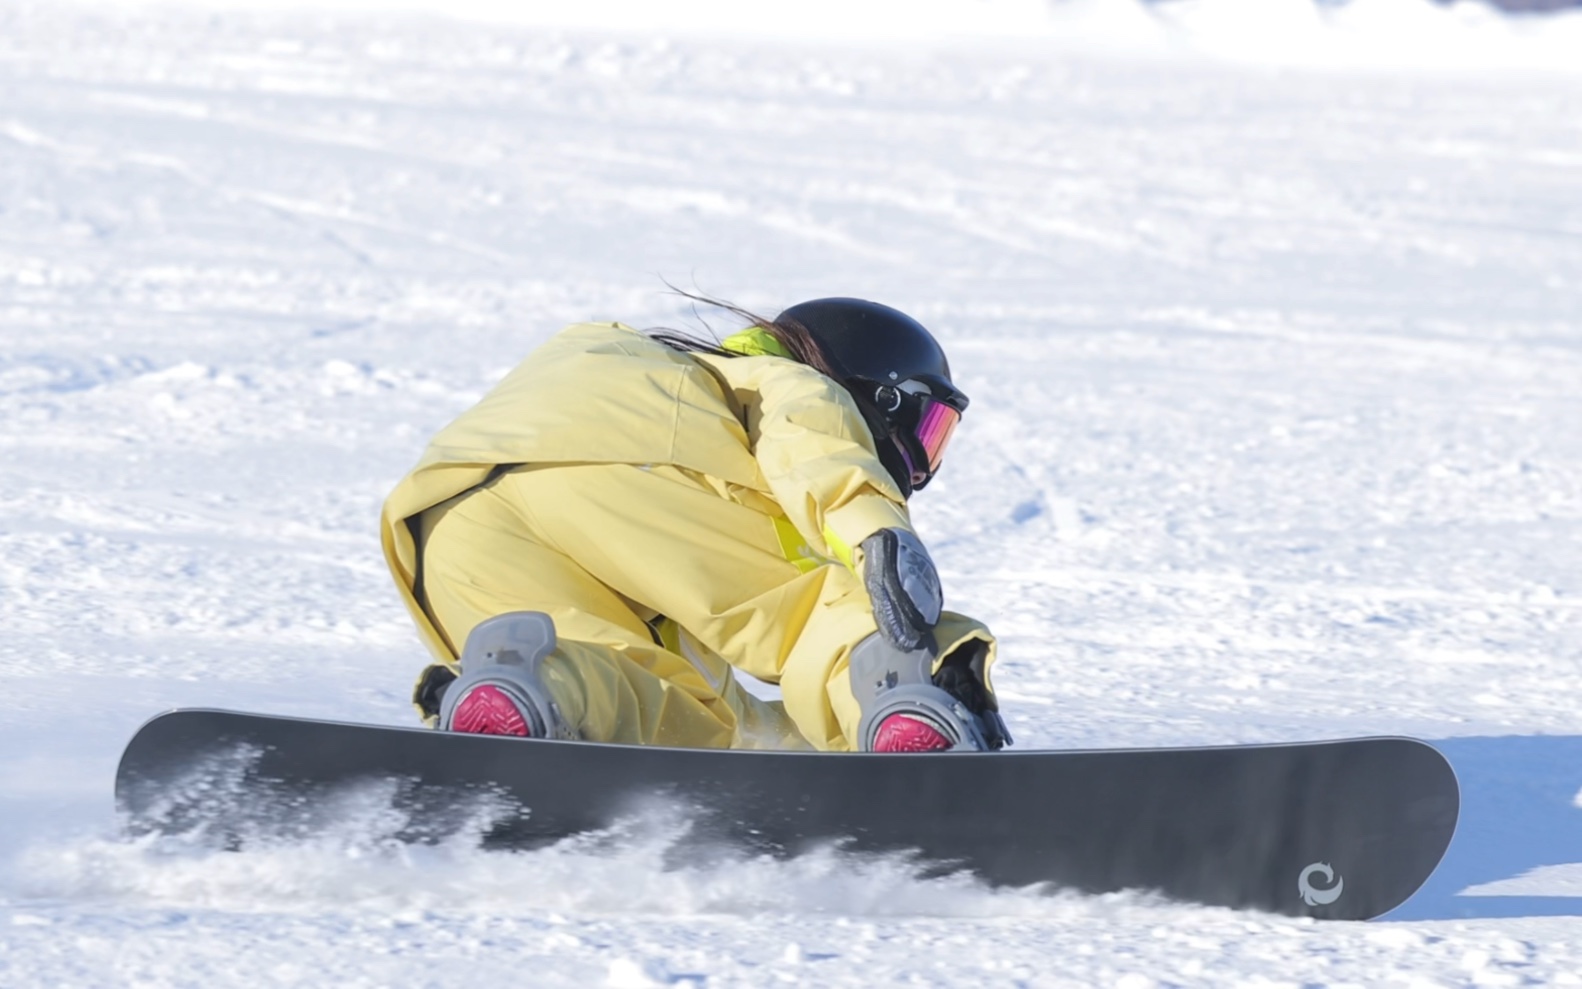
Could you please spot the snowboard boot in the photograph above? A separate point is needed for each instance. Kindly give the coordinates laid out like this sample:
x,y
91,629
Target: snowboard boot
x,y
501,689
905,709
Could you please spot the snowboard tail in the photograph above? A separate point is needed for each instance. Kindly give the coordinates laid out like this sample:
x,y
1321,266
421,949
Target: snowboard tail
x,y
1341,830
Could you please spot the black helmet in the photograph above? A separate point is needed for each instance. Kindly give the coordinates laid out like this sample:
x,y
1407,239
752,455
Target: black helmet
x,y
898,374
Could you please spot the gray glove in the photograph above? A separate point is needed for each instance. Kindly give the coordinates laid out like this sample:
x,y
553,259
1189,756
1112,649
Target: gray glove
x,y
903,586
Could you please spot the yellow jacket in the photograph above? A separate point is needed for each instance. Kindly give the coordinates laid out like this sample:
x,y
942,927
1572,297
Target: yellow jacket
x,y
605,393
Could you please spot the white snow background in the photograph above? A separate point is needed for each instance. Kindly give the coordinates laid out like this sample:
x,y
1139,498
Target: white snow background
x,y
1270,317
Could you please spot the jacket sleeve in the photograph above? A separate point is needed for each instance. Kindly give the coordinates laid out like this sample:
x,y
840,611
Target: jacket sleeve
x,y
818,457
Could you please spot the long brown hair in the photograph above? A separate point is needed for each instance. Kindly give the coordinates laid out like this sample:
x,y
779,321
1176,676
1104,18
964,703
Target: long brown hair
x,y
790,333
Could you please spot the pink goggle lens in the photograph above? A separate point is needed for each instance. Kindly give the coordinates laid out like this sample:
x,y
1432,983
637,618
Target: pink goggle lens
x,y
934,430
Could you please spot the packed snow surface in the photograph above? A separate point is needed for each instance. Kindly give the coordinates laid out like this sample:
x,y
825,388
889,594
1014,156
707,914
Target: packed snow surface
x,y
1270,318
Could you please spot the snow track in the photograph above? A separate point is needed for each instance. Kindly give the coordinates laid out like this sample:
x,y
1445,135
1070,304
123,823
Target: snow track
x,y
1276,433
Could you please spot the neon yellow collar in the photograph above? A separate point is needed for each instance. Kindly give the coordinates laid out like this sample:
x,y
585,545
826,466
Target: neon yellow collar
x,y
755,341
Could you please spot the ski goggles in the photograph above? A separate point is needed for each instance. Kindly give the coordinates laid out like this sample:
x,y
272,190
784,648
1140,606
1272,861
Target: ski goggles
x,y
923,414
935,425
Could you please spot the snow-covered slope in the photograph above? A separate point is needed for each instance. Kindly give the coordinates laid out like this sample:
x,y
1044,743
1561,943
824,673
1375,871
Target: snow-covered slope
x,y
1463,35
1276,433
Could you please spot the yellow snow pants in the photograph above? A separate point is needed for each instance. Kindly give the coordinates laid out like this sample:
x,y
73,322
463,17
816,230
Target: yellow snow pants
x,y
607,549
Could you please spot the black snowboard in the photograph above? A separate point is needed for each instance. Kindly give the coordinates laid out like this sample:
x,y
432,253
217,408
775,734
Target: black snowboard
x,y
1343,829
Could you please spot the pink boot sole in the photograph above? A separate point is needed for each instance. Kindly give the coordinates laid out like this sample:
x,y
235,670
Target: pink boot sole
x,y
487,711
899,733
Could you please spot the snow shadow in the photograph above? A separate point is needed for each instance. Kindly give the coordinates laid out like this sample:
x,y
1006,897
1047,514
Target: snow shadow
x,y
1519,812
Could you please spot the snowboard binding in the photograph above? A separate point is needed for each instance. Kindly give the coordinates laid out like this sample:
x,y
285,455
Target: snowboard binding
x,y
888,681
501,682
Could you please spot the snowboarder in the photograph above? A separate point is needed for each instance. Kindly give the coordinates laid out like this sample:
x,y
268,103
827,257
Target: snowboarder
x,y
629,519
